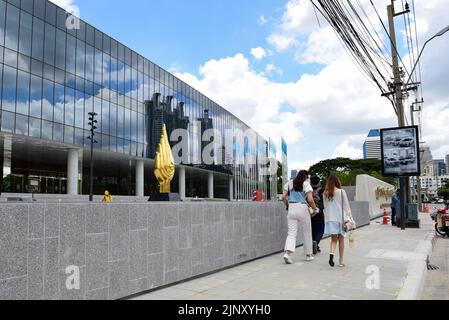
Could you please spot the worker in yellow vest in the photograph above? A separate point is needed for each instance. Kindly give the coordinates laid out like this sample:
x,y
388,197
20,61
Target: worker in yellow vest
x,y
107,197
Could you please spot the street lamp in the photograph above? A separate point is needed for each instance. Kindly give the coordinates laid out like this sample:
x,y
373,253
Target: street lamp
x,y
439,34
92,123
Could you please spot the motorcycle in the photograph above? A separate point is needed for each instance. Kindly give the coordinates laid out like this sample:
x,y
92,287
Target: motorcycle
x,y
441,217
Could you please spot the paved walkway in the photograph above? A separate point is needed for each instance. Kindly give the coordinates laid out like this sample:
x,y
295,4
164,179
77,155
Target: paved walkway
x,y
385,249
437,281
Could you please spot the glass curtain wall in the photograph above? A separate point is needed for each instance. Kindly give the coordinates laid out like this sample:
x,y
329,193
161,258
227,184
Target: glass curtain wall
x,y
52,77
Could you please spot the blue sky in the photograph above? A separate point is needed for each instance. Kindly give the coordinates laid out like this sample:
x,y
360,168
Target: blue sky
x,y
182,35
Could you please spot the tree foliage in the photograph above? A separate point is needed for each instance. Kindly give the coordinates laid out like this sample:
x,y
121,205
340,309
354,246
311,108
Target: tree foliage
x,y
444,191
347,170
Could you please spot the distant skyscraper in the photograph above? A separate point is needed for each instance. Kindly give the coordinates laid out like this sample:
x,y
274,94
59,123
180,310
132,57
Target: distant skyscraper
x,y
371,147
426,158
447,164
439,167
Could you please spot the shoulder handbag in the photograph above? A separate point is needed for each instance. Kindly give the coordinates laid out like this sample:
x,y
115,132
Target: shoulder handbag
x,y
347,225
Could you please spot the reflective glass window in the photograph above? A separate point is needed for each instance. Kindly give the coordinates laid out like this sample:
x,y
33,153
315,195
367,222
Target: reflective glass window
x,y
26,5
81,32
58,132
59,76
106,72
9,89
114,48
61,18
134,126
8,120
80,57
47,130
105,117
112,144
60,49
49,72
69,106
36,67
50,14
90,63
10,58
24,63
12,27
35,127
59,104
21,125
113,120
48,100
23,92
49,56
98,39
90,35
71,54
127,119
128,59
39,8
36,100
106,44
128,80
79,137
38,39
120,121
79,109
26,32
68,134
98,66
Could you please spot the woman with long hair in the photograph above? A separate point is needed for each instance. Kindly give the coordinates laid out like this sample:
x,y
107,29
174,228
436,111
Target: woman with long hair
x,y
298,197
338,217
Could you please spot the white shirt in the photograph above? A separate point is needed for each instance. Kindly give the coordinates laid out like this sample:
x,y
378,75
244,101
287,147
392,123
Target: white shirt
x,y
333,208
306,188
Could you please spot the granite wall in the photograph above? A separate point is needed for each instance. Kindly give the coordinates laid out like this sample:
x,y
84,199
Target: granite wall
x,y
124,249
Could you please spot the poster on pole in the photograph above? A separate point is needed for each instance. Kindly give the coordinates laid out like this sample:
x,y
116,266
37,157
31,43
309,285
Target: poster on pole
x,y
400,152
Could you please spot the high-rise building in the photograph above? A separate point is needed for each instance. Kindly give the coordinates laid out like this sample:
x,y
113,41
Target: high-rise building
x,y
52,75
447,164
439,167
372,146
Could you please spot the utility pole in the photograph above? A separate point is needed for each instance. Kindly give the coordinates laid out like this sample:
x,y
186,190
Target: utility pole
x,y
398,84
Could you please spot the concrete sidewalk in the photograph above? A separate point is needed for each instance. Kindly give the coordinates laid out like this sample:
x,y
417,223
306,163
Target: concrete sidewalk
x,y
399,256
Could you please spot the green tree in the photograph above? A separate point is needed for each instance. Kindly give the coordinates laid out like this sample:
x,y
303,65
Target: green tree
x,y
347,170
444,191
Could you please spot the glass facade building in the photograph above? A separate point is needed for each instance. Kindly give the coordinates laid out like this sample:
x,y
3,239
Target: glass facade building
x,y
52,76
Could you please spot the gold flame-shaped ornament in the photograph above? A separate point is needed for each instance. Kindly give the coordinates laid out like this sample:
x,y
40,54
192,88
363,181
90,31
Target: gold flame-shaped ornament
x,y
164,165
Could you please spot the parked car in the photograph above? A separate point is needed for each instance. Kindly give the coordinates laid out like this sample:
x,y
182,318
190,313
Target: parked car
x,y
392,162
406,142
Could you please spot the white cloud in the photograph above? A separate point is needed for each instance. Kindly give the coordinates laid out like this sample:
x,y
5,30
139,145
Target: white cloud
x,y
327,114
281,42
271,68
259,53
262,20
66,4
344,150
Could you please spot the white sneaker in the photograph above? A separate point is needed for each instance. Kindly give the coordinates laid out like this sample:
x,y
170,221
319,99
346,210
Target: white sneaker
x,y
309,258
288,259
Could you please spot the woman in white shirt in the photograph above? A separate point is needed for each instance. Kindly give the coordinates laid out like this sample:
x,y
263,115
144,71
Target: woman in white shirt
x,y
298,196
337,214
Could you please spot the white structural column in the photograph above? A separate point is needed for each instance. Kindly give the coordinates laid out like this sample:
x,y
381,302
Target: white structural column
x,y
72,172
140,165
182,183
211,185
231,188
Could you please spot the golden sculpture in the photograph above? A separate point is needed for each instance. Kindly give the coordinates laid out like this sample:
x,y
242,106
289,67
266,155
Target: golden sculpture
x,y
164,165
